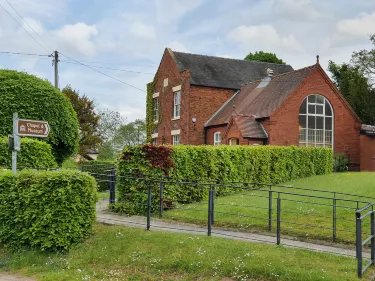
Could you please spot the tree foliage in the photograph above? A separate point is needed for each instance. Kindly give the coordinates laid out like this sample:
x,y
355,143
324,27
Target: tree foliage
x,y
131,134
356,89
264,57
34,98
365,60
88,120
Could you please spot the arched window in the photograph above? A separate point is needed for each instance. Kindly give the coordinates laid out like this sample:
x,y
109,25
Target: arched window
x,y
316,122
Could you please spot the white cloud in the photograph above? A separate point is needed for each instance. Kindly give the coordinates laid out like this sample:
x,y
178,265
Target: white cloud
x,y
168,11
360,27
178,46
76,38
265,38
299,10
143,31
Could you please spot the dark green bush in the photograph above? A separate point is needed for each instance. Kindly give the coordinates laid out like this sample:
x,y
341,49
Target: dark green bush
x,y
261,164
49,210
101,171
340,162
34,98
33,154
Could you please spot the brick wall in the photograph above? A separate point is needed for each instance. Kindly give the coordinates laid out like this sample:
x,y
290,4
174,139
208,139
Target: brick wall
x,y
283,125
204,102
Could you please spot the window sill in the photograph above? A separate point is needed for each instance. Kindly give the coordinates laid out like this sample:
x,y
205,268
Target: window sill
x,y
176,118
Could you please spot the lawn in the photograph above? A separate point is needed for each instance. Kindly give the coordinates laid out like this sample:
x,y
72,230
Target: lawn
x,y
121,253
301,216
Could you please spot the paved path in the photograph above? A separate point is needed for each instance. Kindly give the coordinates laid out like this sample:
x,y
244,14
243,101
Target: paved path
x,y
8,277
107,217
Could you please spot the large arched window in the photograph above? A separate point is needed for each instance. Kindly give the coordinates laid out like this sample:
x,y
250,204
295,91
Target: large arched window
x,y
316,122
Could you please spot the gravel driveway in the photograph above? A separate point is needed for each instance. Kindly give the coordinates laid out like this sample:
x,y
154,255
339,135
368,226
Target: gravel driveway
x,y
9,277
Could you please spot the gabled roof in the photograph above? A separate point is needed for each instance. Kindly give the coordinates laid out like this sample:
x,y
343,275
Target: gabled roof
x,y
249,127
261,98
225,73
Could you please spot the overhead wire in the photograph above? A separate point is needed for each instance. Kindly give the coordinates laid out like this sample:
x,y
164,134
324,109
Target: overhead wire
x,y
24,28
105,74
14,9
23,54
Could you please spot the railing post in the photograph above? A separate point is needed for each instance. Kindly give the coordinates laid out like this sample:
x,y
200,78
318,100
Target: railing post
x,y
334,219
161,206
373,238
278,219
270,210
359,243
209,222
149,197
112,187
213,205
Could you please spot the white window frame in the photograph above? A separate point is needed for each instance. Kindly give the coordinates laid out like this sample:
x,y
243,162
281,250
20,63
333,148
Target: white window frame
x,y
305,133
156,110
217,138
155,141
176,139
176,104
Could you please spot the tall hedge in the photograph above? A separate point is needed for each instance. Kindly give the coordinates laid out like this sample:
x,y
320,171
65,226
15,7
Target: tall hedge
x,y
48,210
34,98
33,154
261,164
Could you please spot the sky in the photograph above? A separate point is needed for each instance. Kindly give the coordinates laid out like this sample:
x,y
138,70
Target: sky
x,y
125,39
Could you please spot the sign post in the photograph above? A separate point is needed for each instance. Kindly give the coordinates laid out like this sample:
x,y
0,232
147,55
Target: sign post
x,y
27,128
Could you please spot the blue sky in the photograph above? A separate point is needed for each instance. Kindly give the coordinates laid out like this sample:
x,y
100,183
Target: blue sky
x,y
130,35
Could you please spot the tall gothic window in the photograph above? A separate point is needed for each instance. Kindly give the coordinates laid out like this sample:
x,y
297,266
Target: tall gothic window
x,y
316,122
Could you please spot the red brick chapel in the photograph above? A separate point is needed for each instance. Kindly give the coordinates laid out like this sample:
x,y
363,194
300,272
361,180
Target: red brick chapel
x,y
211,100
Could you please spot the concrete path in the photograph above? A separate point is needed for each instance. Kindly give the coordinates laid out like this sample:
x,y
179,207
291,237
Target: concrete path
x,y
8,277
104,216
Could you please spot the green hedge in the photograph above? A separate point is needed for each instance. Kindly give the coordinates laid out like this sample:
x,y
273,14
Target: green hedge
x,y
33,154
100,170
35,98
50,210
261,164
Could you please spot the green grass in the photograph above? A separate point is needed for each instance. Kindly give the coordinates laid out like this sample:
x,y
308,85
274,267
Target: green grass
x,y
121,253
304,219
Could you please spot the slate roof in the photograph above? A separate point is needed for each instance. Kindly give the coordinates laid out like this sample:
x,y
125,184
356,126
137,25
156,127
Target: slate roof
x,y
261,102
223,72
250,128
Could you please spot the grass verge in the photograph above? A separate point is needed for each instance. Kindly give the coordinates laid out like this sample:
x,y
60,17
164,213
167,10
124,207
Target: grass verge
x,y
121,253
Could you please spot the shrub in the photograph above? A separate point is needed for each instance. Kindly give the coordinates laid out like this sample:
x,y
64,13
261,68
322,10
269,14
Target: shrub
x,y
340,163
101,171
262,164
33,154
34,98
49,210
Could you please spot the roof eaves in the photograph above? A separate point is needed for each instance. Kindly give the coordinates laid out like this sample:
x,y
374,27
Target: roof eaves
x,y
212,117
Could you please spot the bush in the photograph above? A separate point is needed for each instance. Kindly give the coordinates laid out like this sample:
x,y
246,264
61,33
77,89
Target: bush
x,y
101,171
49,210
262,164
33,154
34,98
340,163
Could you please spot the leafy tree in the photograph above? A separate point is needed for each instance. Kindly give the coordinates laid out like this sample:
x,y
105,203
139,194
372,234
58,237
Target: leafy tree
x,y
131,134
365,60
109,124
264,57
88,120
34,98
356,89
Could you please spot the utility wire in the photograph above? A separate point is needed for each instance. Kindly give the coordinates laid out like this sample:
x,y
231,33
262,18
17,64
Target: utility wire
x,y
124,70
24,28
27,23
139,89
24,54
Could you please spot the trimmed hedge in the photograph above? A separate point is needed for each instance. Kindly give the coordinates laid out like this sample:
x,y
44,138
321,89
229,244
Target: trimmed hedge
x,y
49,210
35,98
261,164
33,154
100,170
